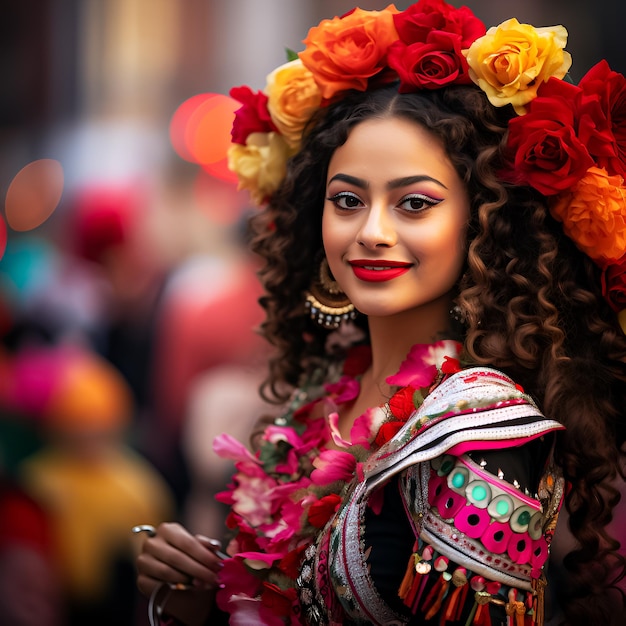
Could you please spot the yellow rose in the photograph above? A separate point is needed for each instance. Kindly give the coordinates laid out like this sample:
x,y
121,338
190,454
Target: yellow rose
x,y
512,60
260,165
293,97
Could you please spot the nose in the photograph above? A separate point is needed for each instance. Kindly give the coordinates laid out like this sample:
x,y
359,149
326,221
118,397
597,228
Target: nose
x,y
378,229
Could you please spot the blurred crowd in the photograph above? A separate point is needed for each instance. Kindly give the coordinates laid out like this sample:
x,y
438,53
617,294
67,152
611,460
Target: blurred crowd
x,y
128,299
119,363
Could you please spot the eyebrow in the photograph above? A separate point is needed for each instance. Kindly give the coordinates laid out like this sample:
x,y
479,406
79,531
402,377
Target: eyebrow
x,y
393,184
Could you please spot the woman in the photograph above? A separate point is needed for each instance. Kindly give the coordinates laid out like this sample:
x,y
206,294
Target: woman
x,y
431,196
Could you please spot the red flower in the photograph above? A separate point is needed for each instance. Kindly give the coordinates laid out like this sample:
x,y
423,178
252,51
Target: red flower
x,y
431,64
614,285
425,16
450,365
290,563
322,510
276,601
401,404
252,117
387,431
603,117
543,145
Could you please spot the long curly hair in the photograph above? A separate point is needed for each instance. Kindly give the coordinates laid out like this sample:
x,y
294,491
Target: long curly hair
x,y
531,302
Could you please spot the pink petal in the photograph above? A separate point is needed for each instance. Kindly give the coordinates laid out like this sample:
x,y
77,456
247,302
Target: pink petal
x,y
227,447
332,465
419,369
338,440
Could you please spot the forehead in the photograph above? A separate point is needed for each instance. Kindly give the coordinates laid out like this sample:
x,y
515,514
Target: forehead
x,y
391,146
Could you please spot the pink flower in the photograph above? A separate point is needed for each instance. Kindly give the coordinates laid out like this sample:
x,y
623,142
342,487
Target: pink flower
x,y
333,423
227,447
344,390
419,369
252,496
365,426
332,465
243,607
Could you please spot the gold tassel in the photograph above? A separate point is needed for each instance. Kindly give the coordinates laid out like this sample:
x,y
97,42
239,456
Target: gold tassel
x,y
539,587
515,609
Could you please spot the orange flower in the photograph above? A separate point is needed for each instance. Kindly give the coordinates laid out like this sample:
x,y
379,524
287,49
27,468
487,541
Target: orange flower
x,y
345,52
594,215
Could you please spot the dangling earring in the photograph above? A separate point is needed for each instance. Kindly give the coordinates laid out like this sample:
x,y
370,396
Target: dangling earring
x,y
326,303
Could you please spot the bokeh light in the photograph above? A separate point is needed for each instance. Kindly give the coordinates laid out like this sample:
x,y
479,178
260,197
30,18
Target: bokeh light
x,y
34,194
200,132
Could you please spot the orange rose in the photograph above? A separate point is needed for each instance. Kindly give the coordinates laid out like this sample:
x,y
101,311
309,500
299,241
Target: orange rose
x,y
594,215
345,52
293,97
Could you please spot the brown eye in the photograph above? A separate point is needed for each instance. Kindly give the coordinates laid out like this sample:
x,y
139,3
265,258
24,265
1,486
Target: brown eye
x,y
417,202
345,201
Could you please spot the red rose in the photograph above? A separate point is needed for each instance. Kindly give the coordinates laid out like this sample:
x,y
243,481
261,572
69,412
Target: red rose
x,y
543,145
252,117
603,117
429,65
420,19
614,284
387,431
322,510
401,404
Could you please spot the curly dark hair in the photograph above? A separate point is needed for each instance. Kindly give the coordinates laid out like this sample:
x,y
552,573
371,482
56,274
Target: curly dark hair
x,y
531,300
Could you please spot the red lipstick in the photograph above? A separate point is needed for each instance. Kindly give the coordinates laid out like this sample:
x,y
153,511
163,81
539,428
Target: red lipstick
x,y
378,271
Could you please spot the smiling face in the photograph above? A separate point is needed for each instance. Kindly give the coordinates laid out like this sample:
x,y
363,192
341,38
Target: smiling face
x,y
395,219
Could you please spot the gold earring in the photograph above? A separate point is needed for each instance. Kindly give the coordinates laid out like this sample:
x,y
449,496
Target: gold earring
x,y
325,302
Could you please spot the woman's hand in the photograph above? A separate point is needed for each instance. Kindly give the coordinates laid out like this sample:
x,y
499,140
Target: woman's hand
x,y
171,555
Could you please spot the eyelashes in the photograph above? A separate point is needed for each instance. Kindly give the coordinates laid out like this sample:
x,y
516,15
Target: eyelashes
x,y
411,203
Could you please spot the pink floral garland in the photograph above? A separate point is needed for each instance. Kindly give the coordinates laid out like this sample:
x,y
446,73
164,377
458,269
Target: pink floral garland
x,y
282,496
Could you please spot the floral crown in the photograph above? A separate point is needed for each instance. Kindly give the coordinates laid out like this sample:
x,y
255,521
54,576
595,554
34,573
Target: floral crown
x,y
567,141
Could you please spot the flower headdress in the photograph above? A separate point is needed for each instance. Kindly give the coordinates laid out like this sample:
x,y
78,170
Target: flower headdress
x,y
567,141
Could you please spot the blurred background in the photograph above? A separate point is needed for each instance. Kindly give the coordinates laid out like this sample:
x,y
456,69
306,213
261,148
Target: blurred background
x,y
128,300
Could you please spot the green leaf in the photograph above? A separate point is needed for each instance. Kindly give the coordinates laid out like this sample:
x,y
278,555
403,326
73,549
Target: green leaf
x,y
291,55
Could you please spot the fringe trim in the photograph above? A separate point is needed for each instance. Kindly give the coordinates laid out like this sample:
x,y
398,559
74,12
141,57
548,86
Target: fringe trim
x,y
449,593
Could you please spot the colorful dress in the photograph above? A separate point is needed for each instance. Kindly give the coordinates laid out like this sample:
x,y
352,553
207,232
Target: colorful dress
x,y
408,521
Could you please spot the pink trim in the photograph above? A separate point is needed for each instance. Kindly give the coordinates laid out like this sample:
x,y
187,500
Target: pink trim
x,y
470,446
520,556
448,502
497,546
475,531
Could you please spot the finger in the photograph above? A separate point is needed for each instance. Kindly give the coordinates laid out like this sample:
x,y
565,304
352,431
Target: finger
x,y
213,544
182,560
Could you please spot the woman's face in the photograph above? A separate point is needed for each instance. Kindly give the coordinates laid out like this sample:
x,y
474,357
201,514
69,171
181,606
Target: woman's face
x,y
395,218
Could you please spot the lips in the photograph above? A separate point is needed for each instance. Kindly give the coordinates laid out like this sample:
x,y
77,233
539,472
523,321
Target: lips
x,y
378,271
